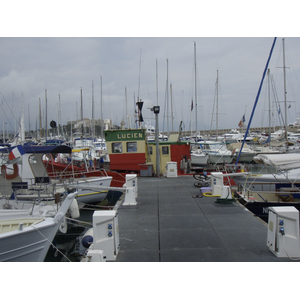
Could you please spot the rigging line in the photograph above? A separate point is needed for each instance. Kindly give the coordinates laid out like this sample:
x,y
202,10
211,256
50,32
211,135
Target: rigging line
x,y
51,243
277,102
9,109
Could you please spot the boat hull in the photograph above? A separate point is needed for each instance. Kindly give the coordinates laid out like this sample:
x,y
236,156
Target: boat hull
x,y
88,196
261,209
220,159
27,245
199,159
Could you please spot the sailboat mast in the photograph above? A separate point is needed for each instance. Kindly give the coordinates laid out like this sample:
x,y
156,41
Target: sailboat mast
x,y
28,120
46,124
58,116
269,96
217,106
81,112
93,111
284,83
167,85
195,88
101,113
171,92
40,117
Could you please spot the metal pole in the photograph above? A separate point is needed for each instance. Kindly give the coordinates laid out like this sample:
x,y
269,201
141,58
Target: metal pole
x,y
157,145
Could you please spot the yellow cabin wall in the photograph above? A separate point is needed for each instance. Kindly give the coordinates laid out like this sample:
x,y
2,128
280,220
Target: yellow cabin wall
x,y
164,158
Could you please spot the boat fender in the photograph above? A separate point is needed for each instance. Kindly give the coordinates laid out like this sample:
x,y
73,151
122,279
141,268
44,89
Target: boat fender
x,y
63,228
10,176
74,209
182,164
87,239
189,165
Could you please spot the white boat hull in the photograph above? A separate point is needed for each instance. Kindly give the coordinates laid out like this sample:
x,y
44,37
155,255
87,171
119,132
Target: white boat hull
x,y
26,238
199,159
28,245
220,159
88,196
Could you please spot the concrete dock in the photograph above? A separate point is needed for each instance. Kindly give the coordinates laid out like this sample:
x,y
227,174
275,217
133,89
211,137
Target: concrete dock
x,y
169,225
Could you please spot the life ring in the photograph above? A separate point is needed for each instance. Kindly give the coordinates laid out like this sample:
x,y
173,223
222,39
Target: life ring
x,y
10,176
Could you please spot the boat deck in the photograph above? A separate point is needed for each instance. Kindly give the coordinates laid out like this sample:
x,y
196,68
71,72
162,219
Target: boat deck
x,y
169,225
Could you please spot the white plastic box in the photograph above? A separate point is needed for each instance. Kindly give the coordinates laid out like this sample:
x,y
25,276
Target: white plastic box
x,y
171,169
283,231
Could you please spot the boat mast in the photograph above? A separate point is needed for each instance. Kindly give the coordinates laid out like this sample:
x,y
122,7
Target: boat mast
x,y
171,92
101,111
40,117
217,106
256,100
28,120
269,97
58,116
167,86
195,87
46,125
81,112
127,117
93,110
284,84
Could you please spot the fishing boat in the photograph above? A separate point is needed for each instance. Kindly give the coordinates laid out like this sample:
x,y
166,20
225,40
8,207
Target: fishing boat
x,y
129,151
25,236
29,171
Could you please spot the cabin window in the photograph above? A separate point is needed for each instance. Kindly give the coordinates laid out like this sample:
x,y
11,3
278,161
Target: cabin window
x,y
165,150
131,146
117,147
150,150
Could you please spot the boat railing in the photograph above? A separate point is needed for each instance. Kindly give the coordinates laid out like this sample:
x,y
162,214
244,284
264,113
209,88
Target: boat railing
x,y
264,189
61,176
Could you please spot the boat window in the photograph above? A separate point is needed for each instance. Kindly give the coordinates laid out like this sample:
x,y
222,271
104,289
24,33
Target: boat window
x,y
150,150
165,150
117,147
131,146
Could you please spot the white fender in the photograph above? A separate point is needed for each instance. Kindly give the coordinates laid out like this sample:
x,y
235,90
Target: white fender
x,y
63,228
74,209
182,164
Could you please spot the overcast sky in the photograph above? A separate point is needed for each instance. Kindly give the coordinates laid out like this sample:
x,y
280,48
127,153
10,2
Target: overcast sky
x,y
64,65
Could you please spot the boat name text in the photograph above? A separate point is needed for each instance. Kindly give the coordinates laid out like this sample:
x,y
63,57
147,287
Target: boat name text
x,y
134,135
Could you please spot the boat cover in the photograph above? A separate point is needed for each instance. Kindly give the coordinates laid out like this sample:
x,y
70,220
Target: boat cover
x,y
282,161
47,149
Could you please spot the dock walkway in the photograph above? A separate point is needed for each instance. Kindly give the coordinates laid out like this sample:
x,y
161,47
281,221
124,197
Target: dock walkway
x,y
169,225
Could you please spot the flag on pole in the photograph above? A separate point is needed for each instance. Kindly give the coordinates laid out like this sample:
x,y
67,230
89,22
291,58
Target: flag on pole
x,y
16,152
241,124
192,105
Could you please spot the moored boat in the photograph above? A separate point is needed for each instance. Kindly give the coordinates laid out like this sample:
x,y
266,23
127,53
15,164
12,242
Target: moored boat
x,y
26,237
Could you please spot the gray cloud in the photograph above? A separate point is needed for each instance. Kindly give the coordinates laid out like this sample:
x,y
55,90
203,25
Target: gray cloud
x,y
64,65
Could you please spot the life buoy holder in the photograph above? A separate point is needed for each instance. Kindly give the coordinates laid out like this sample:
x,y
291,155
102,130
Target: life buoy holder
x,y
10,176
